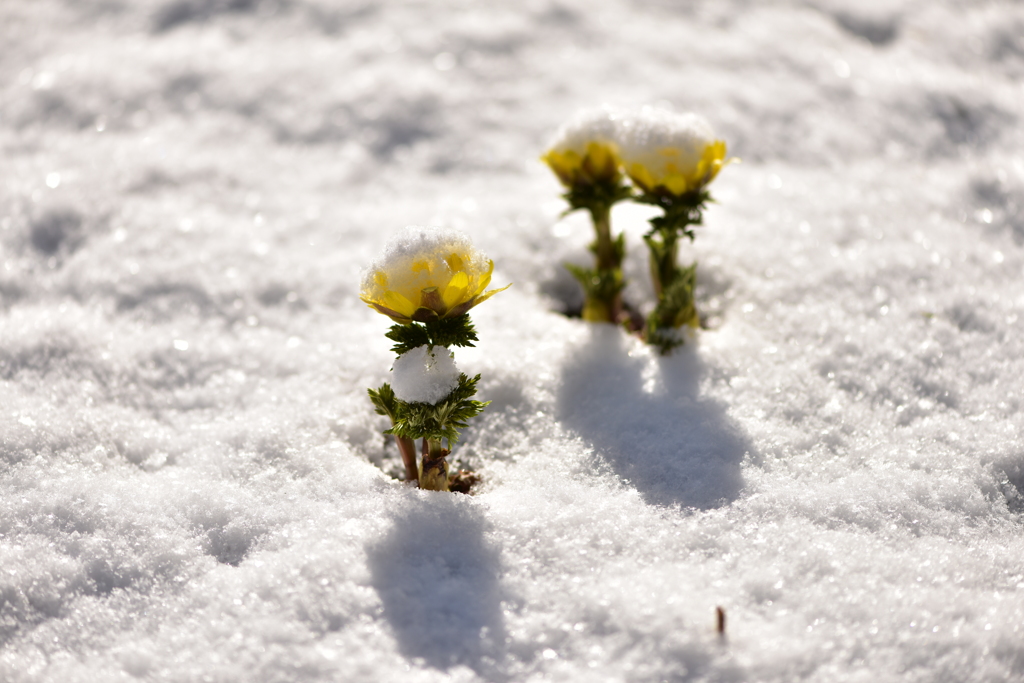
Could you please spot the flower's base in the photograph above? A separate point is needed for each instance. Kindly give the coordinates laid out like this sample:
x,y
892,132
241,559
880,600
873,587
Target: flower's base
x,y
434,472
629,316
438,476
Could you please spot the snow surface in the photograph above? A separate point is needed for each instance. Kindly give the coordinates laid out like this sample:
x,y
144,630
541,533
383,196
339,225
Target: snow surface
x,y
424,375
194,485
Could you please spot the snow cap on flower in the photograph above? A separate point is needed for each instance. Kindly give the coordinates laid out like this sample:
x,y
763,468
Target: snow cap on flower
x,y
426,274
425,374
668,153
585,150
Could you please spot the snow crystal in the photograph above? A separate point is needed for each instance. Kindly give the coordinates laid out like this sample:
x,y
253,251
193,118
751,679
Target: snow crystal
x,y
424,374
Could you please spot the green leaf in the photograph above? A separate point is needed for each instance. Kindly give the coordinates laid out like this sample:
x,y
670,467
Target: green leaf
x,y
597,197
602,285
620,247
442,420
384,401
679,212
664,338
407,337
675,308
448,332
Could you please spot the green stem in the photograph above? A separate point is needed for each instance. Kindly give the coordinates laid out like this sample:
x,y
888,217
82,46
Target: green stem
x,y
407,447
673,286
602,286
604,248
664,247
604,303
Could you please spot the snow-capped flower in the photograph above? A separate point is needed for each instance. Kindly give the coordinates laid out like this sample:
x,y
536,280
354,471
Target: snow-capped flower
x,y
425,374
585,150
668,153
426,274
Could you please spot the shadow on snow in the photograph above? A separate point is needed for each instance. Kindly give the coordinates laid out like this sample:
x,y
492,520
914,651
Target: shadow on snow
x,y
673,446
438,579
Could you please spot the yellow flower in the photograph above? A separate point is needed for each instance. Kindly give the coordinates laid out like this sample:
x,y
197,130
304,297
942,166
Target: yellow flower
x,y
426,274
598,165
667,153
585,150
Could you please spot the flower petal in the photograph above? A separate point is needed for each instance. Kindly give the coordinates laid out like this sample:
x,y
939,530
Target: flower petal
x,y
601,163
455,292
485,279
487,295
399,303
563,165
676,184
394,315
642,177
455,262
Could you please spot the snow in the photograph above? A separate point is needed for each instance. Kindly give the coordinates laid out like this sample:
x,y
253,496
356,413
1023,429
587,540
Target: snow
x,y
593,124
194,485
657,139
424,374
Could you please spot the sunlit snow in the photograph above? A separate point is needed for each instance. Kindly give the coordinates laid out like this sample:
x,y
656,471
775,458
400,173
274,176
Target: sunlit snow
x,y
194,485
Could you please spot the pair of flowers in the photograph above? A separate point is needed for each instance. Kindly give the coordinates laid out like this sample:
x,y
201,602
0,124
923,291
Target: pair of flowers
x,y
662,152
670,159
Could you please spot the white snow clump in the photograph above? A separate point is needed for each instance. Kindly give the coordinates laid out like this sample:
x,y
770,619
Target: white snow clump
x,y
646,134
598,124
424,375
